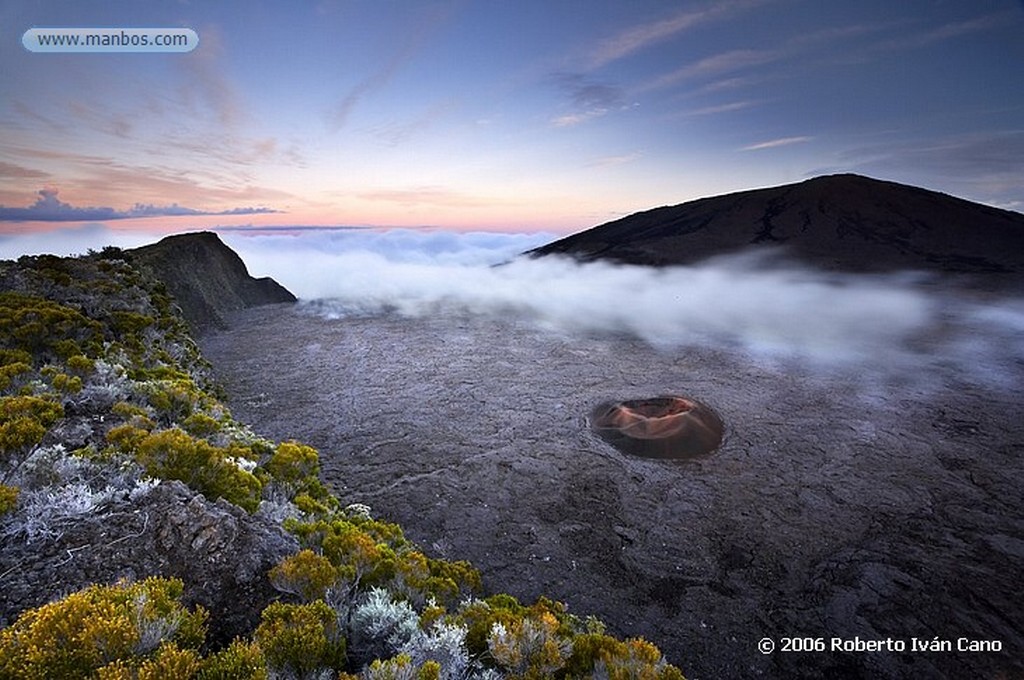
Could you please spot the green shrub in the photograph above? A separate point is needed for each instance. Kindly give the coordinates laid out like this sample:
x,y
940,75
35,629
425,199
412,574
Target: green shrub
x,y
200,425
301,639
66,384
8,498
174,454
45,329
305,574
173,400
9,372
81,365
24,421
120,624
170,661
238,661
293,463
14,356
402,667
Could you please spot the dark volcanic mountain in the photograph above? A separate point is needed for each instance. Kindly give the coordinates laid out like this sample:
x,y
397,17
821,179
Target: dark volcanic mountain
x,y
206,278
837,222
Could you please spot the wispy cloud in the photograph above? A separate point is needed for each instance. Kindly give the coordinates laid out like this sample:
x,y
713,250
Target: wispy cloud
x,y
950,30
207,84
12,171
588,98
393,133
426,195
775,143
644,35
339,115
723,108
622,159
987,166
49,208
715,65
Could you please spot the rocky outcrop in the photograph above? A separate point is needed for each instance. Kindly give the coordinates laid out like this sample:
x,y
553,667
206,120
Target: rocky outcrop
x,y
206,278
837,222
220,552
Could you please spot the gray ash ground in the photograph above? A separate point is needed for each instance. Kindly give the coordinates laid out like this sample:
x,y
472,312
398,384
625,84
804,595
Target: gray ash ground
x,y
836,507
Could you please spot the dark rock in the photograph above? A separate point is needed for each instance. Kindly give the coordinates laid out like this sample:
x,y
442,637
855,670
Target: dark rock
x,y
221,553
837,222
206,278
836,506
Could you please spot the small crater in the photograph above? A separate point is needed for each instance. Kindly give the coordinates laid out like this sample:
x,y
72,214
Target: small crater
x,y
660,427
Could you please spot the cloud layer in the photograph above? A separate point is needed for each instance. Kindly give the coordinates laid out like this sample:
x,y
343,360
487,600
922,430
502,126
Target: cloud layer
x,y
887,328
882,325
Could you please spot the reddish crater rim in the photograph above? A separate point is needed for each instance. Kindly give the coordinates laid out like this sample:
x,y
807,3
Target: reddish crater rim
x,y
659,427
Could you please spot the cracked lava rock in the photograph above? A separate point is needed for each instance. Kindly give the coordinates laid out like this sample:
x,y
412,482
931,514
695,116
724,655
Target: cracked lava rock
x,y
837,506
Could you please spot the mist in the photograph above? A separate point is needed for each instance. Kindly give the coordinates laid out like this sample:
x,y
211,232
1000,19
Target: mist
x,y
767,307
897,326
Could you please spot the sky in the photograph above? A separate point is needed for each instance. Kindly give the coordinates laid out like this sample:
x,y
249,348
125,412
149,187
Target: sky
x,y
539,116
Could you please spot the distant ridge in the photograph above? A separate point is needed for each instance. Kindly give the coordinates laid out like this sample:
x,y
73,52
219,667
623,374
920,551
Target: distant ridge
x,y
836,222
207,279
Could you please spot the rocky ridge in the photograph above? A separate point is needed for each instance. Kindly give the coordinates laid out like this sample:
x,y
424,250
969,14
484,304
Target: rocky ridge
x,y
206,278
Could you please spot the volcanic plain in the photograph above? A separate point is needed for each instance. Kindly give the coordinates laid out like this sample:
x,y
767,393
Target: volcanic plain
x,y
839,505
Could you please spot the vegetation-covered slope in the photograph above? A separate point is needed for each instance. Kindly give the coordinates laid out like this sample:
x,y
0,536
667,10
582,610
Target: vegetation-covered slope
x,y
148,534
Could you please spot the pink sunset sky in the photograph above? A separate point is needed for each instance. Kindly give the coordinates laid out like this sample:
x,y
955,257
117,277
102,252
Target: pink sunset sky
x,y
519,117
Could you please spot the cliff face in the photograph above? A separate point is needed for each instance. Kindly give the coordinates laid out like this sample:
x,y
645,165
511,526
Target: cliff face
x,y
838,222
206,278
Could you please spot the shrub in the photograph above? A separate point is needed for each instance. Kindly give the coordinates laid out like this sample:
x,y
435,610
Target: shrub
x,y
402,667
382,626
170,661
9,372
305,574
238,661
8,498
45,329
81,365
529,644
293,465
173,400
78,635
173,454
301,640
442,649
200,425
43,511
24,421
67,384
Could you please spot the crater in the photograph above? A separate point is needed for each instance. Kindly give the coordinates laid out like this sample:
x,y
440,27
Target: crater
x,y
672,427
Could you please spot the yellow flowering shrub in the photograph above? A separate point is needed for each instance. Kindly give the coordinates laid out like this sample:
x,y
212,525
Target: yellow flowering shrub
x,y
170,661
174,454
24,421
402,667
8,498
101,625
305,574
300,639
238,661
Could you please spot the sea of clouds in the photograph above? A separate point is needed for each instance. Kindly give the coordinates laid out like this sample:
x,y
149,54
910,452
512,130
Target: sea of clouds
x,y
767,307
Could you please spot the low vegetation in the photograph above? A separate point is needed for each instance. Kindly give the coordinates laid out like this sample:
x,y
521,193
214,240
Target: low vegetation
x,y
103,394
